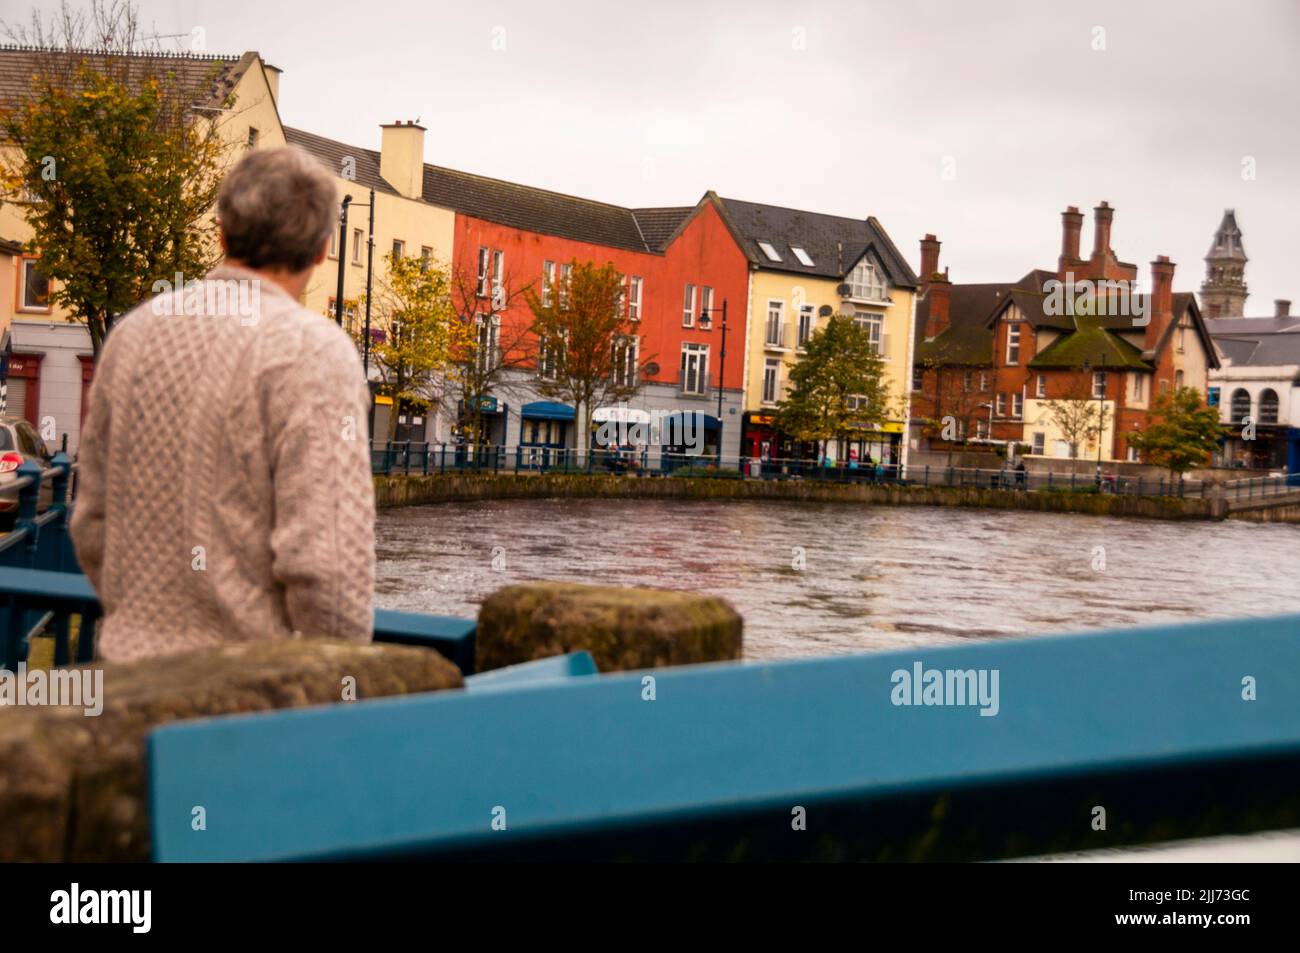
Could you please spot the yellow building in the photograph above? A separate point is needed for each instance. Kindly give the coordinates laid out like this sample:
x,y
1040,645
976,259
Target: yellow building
x,y
53,363
804,268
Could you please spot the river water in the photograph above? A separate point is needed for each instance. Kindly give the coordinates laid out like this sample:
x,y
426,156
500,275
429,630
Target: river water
x,y
828,578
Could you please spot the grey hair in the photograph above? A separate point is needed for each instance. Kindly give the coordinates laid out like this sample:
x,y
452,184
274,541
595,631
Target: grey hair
x,y
277,208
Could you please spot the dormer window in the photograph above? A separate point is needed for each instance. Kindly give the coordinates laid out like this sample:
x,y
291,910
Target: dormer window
x,y
802,255
768,250
866,282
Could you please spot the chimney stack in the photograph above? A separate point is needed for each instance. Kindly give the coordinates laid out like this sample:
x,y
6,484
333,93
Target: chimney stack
x,y
1071,226
401,158
1162,300
929,260
1282,308
940,297
1102,216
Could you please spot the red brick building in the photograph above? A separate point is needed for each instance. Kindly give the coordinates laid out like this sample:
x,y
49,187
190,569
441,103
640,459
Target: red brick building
x,y
1006,363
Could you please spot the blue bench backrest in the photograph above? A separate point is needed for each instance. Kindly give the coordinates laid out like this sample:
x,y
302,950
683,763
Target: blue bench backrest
x,y
583,756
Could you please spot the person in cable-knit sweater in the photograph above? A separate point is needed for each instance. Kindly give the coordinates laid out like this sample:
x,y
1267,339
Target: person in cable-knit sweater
x,y
225,492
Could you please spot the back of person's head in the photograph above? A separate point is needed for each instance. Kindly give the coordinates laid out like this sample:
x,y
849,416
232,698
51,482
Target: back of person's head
x,y
277,208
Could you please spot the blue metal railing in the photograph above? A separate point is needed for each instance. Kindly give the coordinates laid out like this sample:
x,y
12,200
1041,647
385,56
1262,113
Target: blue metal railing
x,y
42,588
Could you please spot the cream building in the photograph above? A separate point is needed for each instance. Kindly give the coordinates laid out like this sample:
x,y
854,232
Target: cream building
x,y
806,267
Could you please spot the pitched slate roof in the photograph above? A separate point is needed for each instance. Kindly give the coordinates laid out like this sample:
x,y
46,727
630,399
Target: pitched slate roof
x,y
660,224
1090,341
217,74
968,339
532,209
1235,326
333,154
833,242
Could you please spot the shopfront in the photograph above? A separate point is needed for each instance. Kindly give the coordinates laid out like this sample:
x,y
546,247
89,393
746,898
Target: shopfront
x,y
544,433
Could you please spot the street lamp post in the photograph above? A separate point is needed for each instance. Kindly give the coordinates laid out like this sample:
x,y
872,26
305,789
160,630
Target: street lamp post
x,y
343,257
1101,411
705,323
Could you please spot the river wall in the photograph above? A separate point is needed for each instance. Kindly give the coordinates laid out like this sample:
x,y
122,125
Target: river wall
x,y
394,490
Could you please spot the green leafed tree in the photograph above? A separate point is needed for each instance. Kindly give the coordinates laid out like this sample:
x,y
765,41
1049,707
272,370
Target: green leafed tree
x,y
1182,434
587,354
419,332
115,159
838,390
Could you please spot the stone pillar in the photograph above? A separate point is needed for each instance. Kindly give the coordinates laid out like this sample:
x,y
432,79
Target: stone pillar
x,y
623,628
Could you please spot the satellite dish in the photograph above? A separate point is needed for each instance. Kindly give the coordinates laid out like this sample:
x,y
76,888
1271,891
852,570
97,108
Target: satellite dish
x,y
825,311
842,290
652,369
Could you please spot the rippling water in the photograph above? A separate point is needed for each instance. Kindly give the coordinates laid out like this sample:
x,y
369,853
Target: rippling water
x,y
873,577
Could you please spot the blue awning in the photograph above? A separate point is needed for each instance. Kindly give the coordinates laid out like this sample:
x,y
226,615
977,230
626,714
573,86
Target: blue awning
x,y
707,421
547,410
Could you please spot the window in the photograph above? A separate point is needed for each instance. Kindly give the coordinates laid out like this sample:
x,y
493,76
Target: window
x,y
1098,383
979,428
984,381
334,244
634,299
1178,379
1001,405
566,275
918,378
252,137
349,314
769,251
866,282
1017,405
771,380
1133,455
801,255
1240,405
706,303
856,403
1164,387
1139,387
1013,344
695,369
775,324
967,379
626,349
1212,397
688,307
1040,443
36,287
426,257
620,303
807,321
1268,406
489,333
875,325
550,357
357,236
399,248
498,278
548,282
1182,338
1041,390
483,256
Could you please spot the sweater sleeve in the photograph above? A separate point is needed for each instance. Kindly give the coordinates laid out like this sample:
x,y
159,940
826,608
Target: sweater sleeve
x,y
323,537
90,506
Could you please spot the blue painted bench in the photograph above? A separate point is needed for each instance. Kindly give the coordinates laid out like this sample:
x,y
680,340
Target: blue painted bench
x,y
26,593
720,760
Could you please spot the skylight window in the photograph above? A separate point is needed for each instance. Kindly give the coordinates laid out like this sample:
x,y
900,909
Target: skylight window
x,y
801,255
769,251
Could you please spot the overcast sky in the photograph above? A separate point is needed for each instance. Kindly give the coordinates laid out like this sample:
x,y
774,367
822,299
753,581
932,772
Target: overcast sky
x,y
849,107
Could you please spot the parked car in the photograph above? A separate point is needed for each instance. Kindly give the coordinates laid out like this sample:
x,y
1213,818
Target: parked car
x,y
19,442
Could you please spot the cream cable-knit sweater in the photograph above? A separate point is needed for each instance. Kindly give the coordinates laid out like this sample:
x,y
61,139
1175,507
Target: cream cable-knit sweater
x,y
225,490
